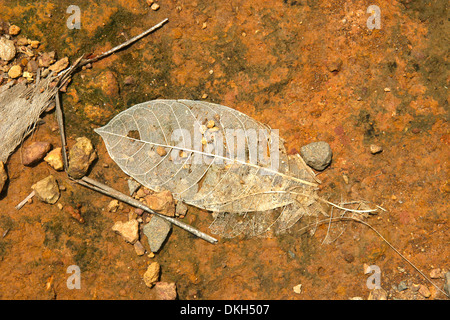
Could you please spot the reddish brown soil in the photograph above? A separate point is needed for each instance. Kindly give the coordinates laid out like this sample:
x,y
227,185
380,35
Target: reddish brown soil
x,y
270,60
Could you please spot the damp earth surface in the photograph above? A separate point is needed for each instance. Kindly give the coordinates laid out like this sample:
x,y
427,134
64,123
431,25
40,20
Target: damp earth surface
x,y
311,69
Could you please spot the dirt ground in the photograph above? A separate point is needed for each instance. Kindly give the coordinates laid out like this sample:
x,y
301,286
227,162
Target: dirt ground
x,y
272,60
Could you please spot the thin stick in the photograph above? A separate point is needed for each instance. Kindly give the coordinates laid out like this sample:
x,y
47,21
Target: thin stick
x,y
125,44
24,201
102,188
388,243
60,120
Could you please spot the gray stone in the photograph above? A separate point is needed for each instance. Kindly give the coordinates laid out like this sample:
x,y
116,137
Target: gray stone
x,y
156,232
317,155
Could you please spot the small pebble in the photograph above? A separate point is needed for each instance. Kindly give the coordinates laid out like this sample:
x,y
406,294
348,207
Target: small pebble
x,y
54,159
180,209
166,290
374,149
59,65
139,248
297,289
47,190
113,206
424,291
204,96
22,41
161,151
35,44
334,65
154,6
128,230
14,30
151,276
15,72
345,177
436,273
161,202
387,89
140,193
81,155
46,59
35,152
210,124
317,155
